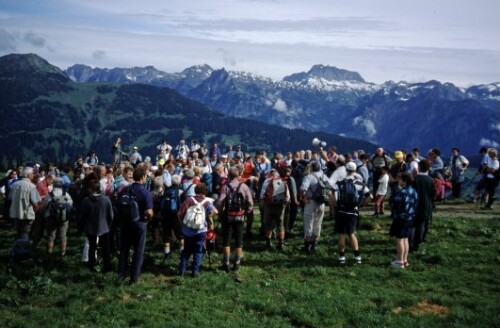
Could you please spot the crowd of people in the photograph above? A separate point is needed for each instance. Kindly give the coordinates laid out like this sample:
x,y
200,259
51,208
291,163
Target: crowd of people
x,y
188,193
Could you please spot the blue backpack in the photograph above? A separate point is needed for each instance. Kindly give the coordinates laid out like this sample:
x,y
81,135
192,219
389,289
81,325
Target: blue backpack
x,y
349,198
169,202
206,178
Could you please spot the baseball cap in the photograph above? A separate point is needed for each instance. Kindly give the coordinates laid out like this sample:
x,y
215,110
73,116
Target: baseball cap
x,y
351,166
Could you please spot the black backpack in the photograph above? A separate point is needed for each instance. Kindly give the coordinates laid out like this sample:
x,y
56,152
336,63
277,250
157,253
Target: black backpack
x,y
349,198
169,202
128,206
320,191
236,203
58,209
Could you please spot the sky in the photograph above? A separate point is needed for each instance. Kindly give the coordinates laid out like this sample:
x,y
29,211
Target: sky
x,y
455,41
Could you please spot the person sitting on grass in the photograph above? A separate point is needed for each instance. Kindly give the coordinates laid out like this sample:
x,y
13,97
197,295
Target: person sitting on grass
x,y
194,238
404,202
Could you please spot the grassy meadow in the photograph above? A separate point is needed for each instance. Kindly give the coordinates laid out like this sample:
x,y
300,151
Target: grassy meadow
x,y
452,282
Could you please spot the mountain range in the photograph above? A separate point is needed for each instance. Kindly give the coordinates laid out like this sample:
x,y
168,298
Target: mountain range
x,y
48,117
396,115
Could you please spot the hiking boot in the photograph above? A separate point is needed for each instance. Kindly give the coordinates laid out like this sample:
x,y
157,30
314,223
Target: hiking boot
x,y
269,245
312,249
236,266
398,264
195,274
357,259
307,247
406,264
225,267
341,259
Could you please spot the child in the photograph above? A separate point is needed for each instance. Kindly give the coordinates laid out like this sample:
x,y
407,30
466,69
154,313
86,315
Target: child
x,y
404,202
383,185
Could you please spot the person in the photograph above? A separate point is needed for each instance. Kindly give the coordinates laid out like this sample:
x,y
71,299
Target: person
x,y
6,185
314,211
232,226
491,177
25,201
383,187
239,152
91,159
97,216
171,225
194,238
135,157
134,233
274,211
230,152
346,215
363,168
378,160
117,153
458,165
404,202
411,164
437,165
397,167
215,152
483,152
164,148
54,225
292,208
424,186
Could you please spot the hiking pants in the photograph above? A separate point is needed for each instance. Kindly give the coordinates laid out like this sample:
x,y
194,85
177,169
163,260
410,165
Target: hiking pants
x,y
193,245
104,242
133,235
313,218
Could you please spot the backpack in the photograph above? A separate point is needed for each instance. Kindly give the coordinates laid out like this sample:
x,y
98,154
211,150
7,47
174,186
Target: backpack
x,y
195,216
403,206
276,192
169,202
184,195
236,203
320,191
349,198
128,206
206,178
57,209
21,250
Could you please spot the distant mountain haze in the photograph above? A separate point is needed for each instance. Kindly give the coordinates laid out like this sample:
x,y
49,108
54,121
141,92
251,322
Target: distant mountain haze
x,y
48,117
396,115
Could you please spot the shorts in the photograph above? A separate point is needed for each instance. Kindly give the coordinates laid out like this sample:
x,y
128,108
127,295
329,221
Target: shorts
x,y
171,225
401,228
274,216
345,223
53,229
234,229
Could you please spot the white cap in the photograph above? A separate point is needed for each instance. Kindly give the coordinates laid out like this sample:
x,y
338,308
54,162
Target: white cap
x,y
351,166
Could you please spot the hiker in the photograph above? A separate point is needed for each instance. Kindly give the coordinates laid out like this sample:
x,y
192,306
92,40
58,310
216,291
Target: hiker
x,y
171,225
134,233
182,150
91,159
117,153
436,162
458,166
25,201
404,202
481,169
232,225
57,223
362,168
378,160
383,188
274,195
340,172
491,177
194,235
6,185
424,186
97,216
397,167
313,209
291,208
135,157
349,194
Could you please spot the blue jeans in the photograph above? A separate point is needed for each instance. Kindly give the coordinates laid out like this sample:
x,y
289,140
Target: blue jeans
x,y
133,235
193,245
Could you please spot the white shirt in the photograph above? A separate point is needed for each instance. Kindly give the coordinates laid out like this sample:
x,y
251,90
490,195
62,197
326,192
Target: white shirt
x,y
492,163
339,174
383,185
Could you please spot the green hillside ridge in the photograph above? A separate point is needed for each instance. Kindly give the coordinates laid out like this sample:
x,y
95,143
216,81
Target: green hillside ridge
x,y
46,116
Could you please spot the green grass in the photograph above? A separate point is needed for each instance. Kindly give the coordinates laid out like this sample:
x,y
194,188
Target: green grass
x,y
452,282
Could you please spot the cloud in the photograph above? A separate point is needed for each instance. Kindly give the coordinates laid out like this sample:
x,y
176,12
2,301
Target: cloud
x,y
367,124
34,40
496,127
99,54
280,106
226,57
7,41
488,143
